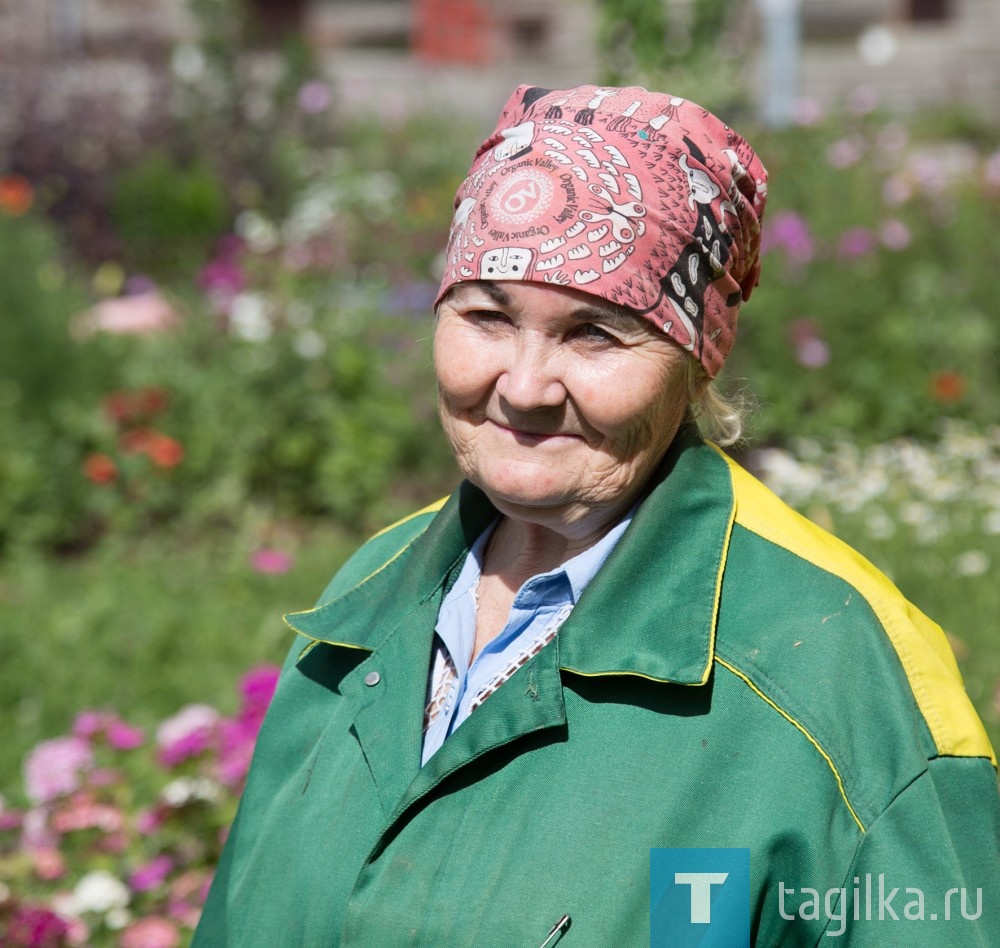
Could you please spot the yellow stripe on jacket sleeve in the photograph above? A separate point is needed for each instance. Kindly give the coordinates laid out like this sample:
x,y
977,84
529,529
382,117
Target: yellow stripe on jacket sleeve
x,y
921,645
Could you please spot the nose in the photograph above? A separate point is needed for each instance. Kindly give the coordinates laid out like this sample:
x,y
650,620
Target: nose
x,y
532,378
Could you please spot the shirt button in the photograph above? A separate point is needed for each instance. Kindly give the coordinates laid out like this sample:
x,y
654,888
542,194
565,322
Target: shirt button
x,y
372,679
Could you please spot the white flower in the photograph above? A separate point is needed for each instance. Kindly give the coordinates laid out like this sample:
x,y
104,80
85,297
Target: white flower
x,y
188,62
991,522
928,532
249,319
98,891
972,563
879,523
916,513
259,233
299,314
117,918
313,213
309,344
186,790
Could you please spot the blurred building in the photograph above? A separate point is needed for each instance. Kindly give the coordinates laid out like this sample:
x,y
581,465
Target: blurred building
x,y
465,55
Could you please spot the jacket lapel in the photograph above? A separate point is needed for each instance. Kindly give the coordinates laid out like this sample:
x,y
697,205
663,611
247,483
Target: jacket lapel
x,y
664,632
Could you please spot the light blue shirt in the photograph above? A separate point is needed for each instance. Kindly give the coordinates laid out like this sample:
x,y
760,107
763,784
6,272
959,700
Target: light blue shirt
x,y
539,608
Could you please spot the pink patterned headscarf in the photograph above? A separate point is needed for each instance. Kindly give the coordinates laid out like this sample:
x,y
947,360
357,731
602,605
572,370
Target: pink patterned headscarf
x,y
637,197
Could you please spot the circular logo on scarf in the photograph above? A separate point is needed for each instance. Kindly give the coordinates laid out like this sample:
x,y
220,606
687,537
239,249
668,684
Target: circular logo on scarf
x,y
523,197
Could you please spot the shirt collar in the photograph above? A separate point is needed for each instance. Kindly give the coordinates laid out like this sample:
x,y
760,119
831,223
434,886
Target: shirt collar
x,y
650,610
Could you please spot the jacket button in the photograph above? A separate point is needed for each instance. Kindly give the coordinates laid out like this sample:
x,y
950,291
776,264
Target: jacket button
x,y
372,679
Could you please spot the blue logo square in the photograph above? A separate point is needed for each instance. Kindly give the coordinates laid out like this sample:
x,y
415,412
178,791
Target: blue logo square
x,y
699,897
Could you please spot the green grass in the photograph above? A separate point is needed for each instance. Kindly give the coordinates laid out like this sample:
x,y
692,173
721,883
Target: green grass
x,y
142,628
148,626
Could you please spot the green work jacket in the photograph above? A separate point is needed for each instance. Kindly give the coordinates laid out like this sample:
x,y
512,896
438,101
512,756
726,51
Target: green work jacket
x,y
733,677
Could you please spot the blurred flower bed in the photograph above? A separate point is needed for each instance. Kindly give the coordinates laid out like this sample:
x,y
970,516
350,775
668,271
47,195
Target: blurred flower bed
x,y
922,493
290,367
875,316
114,836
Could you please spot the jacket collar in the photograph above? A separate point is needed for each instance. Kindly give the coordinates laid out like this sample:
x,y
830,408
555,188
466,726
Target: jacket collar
x,y
650,611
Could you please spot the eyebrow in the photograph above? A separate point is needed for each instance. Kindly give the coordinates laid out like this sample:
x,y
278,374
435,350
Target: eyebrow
x,y
598,309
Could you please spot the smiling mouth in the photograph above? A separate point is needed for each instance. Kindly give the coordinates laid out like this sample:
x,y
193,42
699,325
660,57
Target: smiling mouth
x,y
523,434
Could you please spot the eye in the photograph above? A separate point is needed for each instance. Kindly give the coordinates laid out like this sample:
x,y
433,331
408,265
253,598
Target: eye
x,y
487,318
591,332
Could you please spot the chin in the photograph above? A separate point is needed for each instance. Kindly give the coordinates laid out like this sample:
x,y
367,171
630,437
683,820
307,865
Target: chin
x,y
523,489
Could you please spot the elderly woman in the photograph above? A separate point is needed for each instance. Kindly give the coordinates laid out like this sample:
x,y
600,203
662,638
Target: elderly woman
x,y
612,689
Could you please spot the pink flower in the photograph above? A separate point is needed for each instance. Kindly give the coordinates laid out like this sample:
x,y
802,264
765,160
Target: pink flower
x,y
89,723
35,926
238,740
855,242
789,232
141,315
897,190
48,864
314,96
843,153
184,913
10,819
151,932
84,813
895,235
807,112
191,745
863,99
54,767
122,736
187,734
104,777
222,280
148,822
36,832
270,562
152,875
811,350
812,353
258,685
991,172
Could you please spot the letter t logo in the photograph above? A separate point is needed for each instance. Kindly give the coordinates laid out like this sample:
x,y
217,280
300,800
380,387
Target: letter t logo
x,y
701,892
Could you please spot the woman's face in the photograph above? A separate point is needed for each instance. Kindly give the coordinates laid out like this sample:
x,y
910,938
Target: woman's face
x,y
556,406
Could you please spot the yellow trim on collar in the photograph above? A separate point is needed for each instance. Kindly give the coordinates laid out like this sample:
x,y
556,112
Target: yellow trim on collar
x,y
430,508
921,645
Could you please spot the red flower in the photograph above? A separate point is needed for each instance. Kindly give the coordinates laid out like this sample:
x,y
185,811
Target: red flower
x,y
100,469
166,452
161,449
16,195
130,406
947,387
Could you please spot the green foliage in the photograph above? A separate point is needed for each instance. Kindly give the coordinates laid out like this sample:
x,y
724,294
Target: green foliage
x,y
324,407
167,213
145,626
874,313
691,49
37,355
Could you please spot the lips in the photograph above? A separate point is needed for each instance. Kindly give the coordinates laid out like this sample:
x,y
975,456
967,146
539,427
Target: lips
x,y
530,434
